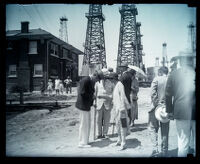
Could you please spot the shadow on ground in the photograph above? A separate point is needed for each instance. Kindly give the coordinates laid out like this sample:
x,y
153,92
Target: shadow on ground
x,y
102,143
139,127
133,143
173,153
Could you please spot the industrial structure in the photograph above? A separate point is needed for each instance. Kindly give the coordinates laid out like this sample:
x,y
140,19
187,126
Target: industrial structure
x,y
63,35
94,46
157,62
192,37
129,47
164,55
191,49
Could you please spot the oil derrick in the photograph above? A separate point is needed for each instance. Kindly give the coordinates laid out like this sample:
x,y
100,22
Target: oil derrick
x,y
127,47
164,55
63,29
192,37
95,54
139,47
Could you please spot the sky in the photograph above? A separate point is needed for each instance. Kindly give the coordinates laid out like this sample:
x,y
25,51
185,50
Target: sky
x,y
159,23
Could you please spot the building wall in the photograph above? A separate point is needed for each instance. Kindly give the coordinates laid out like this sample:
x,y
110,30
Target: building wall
x,y
38,58
53,67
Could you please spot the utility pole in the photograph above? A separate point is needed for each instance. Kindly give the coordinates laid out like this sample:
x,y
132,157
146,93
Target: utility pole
x,y
63,29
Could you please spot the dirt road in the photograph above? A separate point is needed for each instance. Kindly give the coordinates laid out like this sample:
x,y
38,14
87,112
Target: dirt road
x,y
41,133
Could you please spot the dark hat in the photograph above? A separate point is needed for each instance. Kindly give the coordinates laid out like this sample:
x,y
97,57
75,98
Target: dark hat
x,y
114,75
98,74
174,64
110,69
131,71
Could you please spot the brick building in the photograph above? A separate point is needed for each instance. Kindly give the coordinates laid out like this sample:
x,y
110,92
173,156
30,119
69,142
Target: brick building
x,y
35,55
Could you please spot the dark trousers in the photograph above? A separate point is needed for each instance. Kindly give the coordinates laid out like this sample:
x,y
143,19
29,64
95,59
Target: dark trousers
x,y
154,125
68,88
129,115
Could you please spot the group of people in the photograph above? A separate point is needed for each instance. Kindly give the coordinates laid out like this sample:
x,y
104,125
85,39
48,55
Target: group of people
x,y
108,93
59,86
172,97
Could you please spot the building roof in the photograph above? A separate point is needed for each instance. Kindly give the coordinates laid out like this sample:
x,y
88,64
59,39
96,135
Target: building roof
x,y
40,34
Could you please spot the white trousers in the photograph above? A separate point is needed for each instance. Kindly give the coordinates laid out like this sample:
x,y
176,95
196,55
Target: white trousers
x,y
84,128
186,132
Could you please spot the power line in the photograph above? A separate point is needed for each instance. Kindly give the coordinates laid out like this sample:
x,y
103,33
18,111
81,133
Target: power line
x,y
29,15
40,16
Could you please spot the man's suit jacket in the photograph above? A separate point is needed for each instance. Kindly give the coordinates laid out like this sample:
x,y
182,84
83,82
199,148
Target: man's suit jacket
x,y
180,94
104,88
158,91
85,94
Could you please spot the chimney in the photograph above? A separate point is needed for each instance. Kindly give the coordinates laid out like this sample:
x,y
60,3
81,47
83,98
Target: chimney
x,y
24,27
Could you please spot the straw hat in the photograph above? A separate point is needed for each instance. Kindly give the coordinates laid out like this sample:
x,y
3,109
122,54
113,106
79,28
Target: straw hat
x,y
160,114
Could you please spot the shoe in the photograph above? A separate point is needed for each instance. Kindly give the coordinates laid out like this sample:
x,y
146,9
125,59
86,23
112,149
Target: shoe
x,y
103,136
106,136
99,137
128,132
132,124
123,146
191,150
84,146
118,143
154,153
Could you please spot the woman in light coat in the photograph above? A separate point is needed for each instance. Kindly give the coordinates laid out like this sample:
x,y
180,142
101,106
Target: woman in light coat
x,y
120,107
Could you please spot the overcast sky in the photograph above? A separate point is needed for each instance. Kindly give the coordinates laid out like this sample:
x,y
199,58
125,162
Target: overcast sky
x,y
159,23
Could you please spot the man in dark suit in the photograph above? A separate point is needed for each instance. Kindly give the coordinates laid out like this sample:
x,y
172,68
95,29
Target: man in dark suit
x,y
84,101
181,101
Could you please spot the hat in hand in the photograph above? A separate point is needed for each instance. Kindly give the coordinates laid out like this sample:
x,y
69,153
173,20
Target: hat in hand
x,y
160,114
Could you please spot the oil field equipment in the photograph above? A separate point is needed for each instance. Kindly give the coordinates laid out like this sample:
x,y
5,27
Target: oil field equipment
x,y
94,46
129,47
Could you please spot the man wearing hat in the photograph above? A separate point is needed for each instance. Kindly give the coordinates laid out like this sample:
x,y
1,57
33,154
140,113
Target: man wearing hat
x,y
84,101
181,103
103,93
157,98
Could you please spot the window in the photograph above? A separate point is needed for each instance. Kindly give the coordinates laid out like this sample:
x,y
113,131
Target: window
x,y
12,71
33,47
54,49
65,53
38,70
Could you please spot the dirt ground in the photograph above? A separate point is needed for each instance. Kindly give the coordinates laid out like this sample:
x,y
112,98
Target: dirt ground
x,y
41,133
